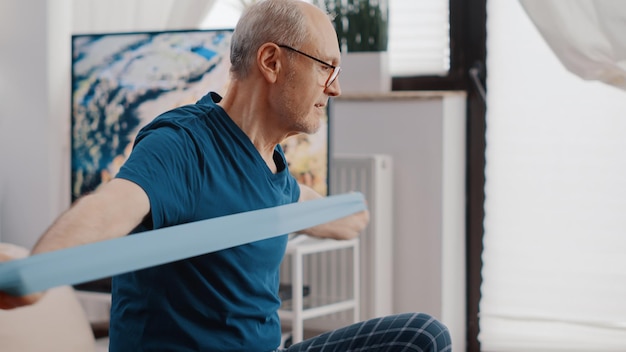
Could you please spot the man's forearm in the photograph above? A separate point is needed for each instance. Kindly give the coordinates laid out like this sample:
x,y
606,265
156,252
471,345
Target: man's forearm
x,y
112,212
78,225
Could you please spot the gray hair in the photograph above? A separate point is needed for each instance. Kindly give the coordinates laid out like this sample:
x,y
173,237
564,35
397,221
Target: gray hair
x,y
276,21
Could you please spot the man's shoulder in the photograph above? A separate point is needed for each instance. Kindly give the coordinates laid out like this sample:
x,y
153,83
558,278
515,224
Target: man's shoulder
x,y
210,100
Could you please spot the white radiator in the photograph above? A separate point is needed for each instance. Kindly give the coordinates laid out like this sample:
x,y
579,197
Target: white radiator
x,y
329,275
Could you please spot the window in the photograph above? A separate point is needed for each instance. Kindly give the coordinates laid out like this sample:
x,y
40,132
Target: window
x,y
419,37
419,41
553,274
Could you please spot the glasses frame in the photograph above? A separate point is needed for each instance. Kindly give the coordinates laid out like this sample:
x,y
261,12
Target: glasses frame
x,y
333,75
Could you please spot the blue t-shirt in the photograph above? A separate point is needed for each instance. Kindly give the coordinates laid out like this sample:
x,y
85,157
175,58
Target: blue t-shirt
x,y
195,163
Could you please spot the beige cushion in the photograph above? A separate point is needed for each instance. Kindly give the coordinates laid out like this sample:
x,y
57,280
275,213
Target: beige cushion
x,y
56,323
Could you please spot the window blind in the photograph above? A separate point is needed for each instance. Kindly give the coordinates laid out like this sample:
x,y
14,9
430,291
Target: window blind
x,y
554,260
419,37
419,33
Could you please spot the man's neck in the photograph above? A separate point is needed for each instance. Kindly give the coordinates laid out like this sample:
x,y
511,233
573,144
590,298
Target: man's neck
x,y
247,108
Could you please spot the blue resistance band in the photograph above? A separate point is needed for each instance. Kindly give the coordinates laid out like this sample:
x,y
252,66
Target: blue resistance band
x,y
102,259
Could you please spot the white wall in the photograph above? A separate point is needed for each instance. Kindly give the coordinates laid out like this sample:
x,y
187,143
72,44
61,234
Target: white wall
x,y
34,115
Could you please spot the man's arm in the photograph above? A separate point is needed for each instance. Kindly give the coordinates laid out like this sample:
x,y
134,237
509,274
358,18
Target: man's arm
x,y
114,210
341,229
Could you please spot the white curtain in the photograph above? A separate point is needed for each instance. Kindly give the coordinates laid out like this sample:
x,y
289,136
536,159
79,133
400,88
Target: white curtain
x,y
588,36
554,260
97,16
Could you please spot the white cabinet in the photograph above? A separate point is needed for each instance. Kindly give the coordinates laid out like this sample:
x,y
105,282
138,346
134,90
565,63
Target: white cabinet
x,y
424,133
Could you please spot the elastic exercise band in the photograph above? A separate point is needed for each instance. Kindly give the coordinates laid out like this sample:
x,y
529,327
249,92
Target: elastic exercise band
x,y
98,260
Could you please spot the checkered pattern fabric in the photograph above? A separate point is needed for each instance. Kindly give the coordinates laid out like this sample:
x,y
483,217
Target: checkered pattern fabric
x,y
415,332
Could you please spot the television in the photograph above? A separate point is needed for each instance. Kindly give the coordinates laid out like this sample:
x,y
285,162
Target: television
x,y
121,81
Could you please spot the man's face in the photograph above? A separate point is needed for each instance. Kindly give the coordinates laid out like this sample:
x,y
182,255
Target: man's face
x,y
306,90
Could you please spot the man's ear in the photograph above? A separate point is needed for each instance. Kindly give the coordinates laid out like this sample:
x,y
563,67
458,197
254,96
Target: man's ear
x,y
269,61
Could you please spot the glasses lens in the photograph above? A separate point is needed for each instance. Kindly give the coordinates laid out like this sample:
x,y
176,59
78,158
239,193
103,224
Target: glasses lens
x,y
333,76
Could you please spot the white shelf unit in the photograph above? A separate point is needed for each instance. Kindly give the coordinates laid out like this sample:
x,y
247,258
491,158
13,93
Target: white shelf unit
x,y
300,308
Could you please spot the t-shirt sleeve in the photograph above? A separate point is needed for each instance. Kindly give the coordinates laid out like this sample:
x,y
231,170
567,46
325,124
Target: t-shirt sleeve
x,y
164,163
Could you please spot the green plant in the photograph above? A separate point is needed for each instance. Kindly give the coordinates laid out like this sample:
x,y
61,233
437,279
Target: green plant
x,y
361,25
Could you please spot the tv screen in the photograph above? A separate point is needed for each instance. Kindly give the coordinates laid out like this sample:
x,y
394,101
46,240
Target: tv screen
x,y
121,81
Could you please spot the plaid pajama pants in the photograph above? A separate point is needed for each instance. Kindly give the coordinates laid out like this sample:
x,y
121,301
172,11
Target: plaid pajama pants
x,y
415,332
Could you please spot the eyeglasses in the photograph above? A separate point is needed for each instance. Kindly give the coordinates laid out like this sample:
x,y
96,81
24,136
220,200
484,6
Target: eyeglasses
x,y
333,75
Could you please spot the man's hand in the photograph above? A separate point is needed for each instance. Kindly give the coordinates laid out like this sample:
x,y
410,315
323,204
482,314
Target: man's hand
x,y
341,229
10,302
345,228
